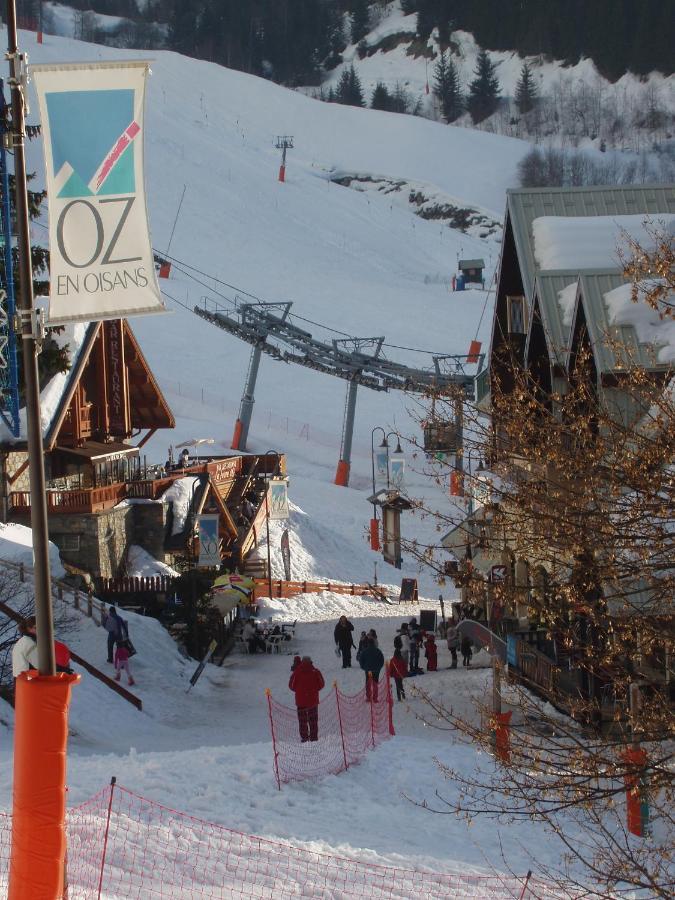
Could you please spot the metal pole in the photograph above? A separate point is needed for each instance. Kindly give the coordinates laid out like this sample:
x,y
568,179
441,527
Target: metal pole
x,y
113,782
248,399
38,495
12,387
342,475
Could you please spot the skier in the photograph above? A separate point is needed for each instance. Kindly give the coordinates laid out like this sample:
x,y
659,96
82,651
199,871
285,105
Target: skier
x,y
117,630
122,661
453,641
372,661
306,682
343,640
398,670
431,653
467,643
24,651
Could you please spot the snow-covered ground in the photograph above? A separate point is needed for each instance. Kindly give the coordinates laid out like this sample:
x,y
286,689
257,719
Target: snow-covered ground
x,y
359,264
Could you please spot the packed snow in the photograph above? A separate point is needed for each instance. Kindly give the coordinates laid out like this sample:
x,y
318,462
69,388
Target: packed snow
x,y
583,242
650,327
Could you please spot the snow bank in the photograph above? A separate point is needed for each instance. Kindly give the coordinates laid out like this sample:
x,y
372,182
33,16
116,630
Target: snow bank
x,y
583,242
650,328
16,545
140,564
180,496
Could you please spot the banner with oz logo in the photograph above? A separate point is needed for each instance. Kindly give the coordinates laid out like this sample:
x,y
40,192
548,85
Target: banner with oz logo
x,y
101,263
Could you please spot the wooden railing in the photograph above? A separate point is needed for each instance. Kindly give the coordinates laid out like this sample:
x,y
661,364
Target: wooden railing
x,y
286,589
136,585
86,500
536,667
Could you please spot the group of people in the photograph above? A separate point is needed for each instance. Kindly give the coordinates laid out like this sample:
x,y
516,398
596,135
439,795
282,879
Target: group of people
x,y
464,645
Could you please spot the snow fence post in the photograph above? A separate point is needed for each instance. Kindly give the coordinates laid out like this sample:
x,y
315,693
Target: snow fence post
x,y
370,688
113,782
527,881
268,694
390,700
342,734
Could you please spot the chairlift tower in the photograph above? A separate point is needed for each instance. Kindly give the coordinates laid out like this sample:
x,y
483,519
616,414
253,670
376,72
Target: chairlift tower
x,y
284,142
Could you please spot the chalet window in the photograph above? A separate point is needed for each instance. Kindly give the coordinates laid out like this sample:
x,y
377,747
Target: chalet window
x,y
517,315
67,542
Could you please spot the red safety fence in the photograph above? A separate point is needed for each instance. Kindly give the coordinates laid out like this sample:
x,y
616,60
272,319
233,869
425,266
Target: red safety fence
x,y
332,737
122,845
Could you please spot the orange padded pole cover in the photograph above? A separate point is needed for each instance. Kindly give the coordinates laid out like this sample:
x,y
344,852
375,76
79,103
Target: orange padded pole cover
x,y
342,473
39,803
236,439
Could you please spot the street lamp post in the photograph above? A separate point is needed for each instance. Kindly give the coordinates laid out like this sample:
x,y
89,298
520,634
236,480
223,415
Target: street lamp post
x,y
384,446
276,469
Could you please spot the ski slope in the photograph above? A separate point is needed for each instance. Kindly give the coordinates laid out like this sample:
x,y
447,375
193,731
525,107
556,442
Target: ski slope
x,y
360,264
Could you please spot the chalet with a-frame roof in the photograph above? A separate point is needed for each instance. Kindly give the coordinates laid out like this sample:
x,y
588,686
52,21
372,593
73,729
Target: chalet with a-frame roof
x,y
102,494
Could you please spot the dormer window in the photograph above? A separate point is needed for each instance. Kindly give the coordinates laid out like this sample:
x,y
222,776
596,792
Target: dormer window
x,y
516,312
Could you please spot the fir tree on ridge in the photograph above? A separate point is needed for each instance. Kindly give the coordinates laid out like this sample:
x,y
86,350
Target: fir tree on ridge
x,y
380,99
349,91
360,20
526,91
446,87
484,93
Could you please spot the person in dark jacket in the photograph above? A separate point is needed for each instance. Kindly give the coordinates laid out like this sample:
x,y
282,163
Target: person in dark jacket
x,y
466,646
398,670
306,682
414,651
117,630
452,635
372,661
343,640
363,642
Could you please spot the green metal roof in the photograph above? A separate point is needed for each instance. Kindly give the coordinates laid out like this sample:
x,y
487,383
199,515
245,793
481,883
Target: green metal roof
x,y
548,286
524,205
615,347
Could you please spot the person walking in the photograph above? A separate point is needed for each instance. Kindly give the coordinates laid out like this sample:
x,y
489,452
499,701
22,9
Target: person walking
x,y
403,639
431,653
398,671
372,661
453,641
466,646
117,629
122,654
24,651
306,682
344,641
414,651
373,634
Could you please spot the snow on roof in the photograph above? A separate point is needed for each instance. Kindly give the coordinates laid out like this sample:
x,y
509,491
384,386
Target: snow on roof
x,y
566,299
589,242
52,393
16,545
141,564
180,495
649,327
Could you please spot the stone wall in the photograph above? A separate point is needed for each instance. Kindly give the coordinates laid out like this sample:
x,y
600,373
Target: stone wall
x,y
150,527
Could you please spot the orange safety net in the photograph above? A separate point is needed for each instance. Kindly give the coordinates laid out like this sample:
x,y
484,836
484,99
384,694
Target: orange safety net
x,y
122,845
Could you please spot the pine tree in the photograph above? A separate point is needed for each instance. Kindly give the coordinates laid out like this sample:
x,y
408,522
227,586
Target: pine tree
x,y
349,91
360,20
446,87
484,89
526,91
380,98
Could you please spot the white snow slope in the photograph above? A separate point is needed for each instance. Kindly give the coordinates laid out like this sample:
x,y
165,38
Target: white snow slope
x,y
362,266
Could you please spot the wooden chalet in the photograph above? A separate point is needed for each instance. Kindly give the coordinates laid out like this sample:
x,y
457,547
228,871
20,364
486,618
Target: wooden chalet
x,y
555,287
96,420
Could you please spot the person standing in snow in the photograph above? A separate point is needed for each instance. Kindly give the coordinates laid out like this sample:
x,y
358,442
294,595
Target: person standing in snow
x,y
306,682
371,662
363,641
117,630
344,641
453,641
431,653
467,644
122,661
414,651
24,652
398,671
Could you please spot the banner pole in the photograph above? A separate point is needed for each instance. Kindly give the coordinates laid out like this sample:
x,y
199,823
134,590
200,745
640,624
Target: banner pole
x,y
342,734
29,337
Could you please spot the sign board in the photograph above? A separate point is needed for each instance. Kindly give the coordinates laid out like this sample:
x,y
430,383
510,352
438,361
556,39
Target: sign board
x,y
497,574
101,263
427,620
116,381
202,665
286,554
209,544
381,465
408,591
278,499
396,471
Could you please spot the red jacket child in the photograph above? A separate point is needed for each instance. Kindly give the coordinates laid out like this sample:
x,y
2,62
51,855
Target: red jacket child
x,y
306,682
398,667
431,653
